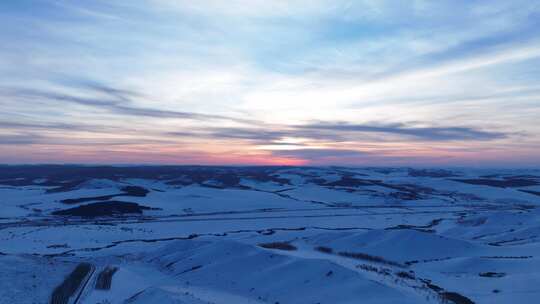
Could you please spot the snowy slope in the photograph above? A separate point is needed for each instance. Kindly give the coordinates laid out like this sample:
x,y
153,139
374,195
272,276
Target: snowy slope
x,y
271,234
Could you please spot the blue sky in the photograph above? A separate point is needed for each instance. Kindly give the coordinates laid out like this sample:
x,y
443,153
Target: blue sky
x,y
428,83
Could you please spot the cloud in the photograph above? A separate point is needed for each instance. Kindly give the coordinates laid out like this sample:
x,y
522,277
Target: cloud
x,y
419,133
73,142
518,42
341,131
64,127
254,134
318,154
244,76
19,139
34,126
116,101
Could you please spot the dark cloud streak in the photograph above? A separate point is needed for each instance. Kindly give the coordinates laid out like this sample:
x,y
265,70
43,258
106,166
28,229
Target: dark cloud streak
x,y
19,139
121,102
340,131
117,102
420,133
318,154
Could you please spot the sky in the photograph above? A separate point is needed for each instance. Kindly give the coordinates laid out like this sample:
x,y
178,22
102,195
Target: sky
x,y
260,82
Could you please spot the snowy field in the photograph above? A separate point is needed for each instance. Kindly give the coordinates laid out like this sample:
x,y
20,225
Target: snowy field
x,y
78,234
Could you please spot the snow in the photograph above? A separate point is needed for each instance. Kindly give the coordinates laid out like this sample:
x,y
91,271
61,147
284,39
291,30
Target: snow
x,y
201,244
398,245
29,279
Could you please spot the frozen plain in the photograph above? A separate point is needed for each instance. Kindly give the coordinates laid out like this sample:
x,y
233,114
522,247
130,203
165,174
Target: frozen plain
x,y
268,235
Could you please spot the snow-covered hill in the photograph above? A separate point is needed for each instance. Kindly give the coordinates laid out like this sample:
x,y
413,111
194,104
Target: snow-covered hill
x,y
268,235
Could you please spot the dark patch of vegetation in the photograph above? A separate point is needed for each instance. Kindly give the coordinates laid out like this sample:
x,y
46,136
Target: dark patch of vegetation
x,y
447,296
403,192
192,269
426,261
109,208
474,222
54,246
347,181
324,249
491,274
502,242
405,196
525,206
367,257
455,297
68,177
432,286
510,176
71,201
424,228
383,271
406,275
431,173
127,191
278,245
135,296
368,267
134,191
491,176
64,186
383,170
221,178
104,279
71,283
508,257
531,192
406,191
499,183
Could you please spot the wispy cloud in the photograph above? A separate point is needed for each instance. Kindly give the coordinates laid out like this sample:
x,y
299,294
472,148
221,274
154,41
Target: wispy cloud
x,y
115,101
19,139
270,80
338,132
419,133
319,154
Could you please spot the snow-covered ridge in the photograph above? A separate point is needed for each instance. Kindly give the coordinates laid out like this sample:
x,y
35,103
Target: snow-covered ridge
x,y
270,234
